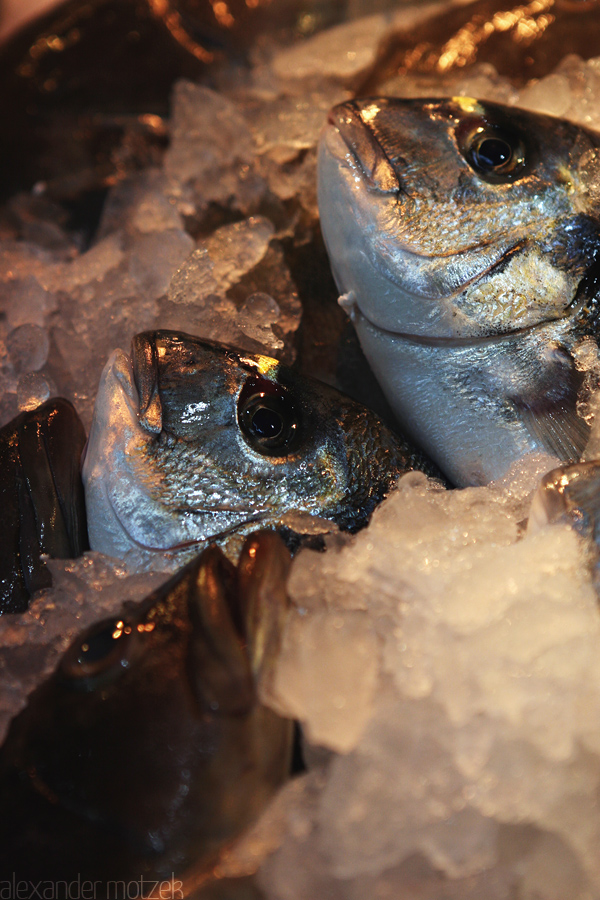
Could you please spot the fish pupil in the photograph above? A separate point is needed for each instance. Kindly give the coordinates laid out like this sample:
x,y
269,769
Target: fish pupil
x,y
267,423
493,153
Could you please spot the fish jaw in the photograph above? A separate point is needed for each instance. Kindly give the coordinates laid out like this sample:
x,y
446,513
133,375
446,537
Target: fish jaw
x,y
124,520
353,223
477,407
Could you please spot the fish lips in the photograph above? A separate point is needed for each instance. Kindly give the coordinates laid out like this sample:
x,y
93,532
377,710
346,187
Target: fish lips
x,y
349,121
119,496
144,358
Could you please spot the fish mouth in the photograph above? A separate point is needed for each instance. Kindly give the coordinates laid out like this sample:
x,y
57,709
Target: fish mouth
x,y
144,359
376,166
350,304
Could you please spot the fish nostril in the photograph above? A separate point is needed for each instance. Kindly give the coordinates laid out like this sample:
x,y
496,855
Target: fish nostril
x,y
145,374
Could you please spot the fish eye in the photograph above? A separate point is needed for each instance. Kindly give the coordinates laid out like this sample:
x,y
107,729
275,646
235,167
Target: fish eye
x,y
103,652
268,417
498,155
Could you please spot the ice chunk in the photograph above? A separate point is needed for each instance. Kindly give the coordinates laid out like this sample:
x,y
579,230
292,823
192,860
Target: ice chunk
x,y
140,203
343,52
487,689
570,91
25,302
91,266
221,260
207,133
347,51
341,652
155,257
256,319
28,347
231,260
210,157
293,121
34,389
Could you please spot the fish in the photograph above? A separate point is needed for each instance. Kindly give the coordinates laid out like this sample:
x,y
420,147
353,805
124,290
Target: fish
x,y
41,496
148,750
194,441
464,240
569,494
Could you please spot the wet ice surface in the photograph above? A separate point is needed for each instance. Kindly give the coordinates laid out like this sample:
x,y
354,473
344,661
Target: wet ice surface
x,y
445,664
468,754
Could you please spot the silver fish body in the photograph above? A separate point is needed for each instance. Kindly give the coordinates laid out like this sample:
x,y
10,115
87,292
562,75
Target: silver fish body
x,y
463,237
194,441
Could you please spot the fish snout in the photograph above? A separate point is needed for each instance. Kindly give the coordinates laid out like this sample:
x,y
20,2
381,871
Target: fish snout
x,y
352,122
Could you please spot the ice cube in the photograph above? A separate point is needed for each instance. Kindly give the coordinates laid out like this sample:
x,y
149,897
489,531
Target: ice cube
x,y
28,347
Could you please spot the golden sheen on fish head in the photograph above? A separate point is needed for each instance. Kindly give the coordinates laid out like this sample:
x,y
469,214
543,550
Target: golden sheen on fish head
x,y
463,236
148,749
192,440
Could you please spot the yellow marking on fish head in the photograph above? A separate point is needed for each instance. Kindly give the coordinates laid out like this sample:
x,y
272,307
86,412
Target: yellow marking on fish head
x,y
265,364
369,112
468,105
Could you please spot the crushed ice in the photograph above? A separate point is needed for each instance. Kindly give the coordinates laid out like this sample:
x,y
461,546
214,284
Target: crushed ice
x,y
444,663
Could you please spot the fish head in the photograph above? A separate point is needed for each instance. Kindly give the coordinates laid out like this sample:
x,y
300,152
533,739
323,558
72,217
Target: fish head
x,y
149,748
193,439
464,237
455,218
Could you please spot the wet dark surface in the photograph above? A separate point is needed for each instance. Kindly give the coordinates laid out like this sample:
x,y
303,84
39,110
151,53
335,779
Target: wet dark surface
x,y
80,80
86,86
521,40
42,498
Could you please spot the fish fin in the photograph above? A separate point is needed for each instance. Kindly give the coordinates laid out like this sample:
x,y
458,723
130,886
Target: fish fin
x,y
348,304
263,569
558,430
218,663
572,494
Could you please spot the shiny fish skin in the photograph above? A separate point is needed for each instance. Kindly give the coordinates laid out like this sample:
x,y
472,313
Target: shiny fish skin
x,y
148,749
469,270
173,459
41,496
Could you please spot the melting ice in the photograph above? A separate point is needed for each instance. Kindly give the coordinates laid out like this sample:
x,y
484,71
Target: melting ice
x,y
444,663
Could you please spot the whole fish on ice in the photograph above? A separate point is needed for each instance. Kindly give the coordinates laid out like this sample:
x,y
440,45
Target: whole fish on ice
x,y
148,750
464,238
192,440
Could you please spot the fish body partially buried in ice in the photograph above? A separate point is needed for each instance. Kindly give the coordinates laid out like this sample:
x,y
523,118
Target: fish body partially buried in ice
x,y
149,750
41,498
464,238
192,440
